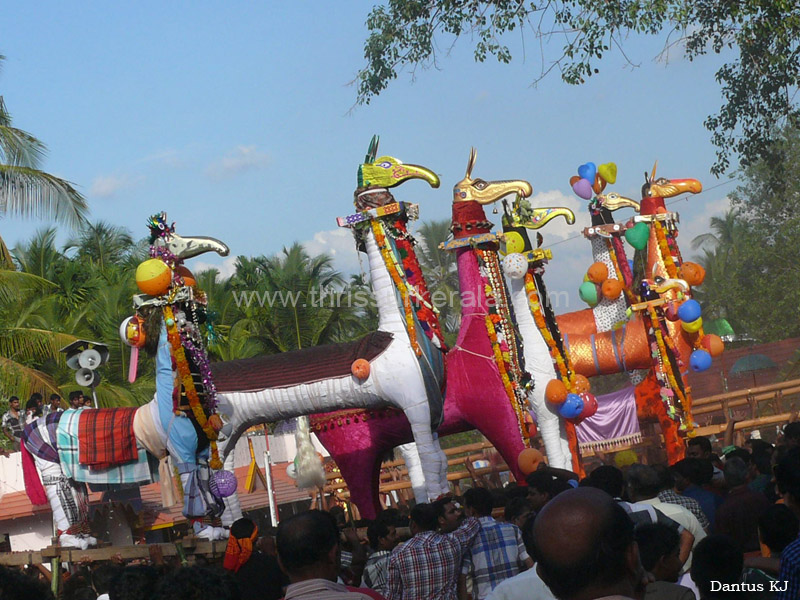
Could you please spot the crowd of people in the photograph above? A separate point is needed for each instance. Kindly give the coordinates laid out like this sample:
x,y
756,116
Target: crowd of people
x,y
15,419
711,526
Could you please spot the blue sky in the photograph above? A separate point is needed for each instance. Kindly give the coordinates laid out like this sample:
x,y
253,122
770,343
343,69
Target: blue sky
x,y
237,121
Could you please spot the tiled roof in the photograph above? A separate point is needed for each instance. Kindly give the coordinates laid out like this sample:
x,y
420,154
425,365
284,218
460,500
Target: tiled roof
x,y
16,505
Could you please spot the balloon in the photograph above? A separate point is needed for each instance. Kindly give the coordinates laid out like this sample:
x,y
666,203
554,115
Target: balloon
x,y
153,277
583,188
700,361
514,242
638,235
222,484
574,179
692,273
580,383
572,407
692,326
515,265
599,184
530,430
589,405
588,293
608,171
689,311
588,171
529,460
555,392
713,344
598,272
360,369
188,279
611,289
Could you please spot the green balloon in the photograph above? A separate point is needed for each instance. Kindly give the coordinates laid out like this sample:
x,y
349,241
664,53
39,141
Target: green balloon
x,y
638,235
588,292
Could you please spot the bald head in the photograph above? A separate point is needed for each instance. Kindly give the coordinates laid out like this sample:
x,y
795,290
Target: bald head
x,y
585,547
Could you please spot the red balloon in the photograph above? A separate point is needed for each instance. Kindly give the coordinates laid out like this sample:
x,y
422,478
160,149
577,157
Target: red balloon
x,y
589,405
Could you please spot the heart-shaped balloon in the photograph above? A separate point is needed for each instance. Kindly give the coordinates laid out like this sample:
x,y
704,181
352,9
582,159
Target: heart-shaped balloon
x,y
583,188
599,184
574,179
608,171
588,171
638,235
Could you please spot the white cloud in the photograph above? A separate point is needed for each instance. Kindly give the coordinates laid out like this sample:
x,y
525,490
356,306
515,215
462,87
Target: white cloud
x,y
699,223
106,186
226,267
240,160
339,244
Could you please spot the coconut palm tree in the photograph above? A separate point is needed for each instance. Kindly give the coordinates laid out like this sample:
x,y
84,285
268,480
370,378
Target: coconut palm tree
x,y
441,275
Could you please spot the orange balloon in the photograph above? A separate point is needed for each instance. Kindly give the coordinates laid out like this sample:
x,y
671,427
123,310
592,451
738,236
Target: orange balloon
x,y
599,184
153,277
692,273
360,369
529,460
581,384
530,429
555,392
611,288
574,179
713,343
598,272
188,279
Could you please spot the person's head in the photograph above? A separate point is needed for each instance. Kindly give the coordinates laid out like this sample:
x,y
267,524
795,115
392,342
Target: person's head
x,y
479,502
787,479
382,536
791,434
55,401
609,479
76,399
698,447
740,453
518,510
716,558
643,483
762,460
659,547
685,473
37,399
16,585
735,471
308,546
243,528
102,576
423,517
778,527
32,406
134,583
193,583
543,487
13,402
338,514
585,547
665,478
448,514
756,446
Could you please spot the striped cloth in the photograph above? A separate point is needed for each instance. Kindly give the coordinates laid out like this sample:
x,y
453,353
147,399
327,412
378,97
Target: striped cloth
x,y
106,437
495,555
68,453
34,440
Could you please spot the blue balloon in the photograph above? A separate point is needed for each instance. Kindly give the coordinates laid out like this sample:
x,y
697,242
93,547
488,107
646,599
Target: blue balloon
x,y
699,361
572,406
689,311
588,171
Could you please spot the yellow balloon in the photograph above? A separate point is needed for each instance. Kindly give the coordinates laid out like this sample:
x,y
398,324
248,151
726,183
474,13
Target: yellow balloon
x,y
514,242
692,326
153,277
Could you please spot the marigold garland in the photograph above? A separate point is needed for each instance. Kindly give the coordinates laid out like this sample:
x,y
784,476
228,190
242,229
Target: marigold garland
x,y
561,361
185,375
663,247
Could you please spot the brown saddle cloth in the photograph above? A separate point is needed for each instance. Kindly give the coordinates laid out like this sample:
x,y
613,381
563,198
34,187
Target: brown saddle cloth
x,y
300,366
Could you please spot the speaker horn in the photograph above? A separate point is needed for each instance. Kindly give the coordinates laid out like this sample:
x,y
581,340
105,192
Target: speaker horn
x,y
72,360
87,377
90,359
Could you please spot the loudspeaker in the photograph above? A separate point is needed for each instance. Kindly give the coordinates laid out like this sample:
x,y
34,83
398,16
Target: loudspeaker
x,y
90,359
87,378
72,359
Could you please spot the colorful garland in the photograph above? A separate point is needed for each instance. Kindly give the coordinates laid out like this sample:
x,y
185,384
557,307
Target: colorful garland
x,y
561,361
179,355
499,323
663,246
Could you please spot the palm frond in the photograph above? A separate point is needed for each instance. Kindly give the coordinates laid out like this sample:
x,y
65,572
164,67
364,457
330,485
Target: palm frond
x,y
27,192
19,380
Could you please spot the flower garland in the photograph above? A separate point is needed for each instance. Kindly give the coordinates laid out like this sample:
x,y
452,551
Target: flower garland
x,y
626,282
427,314
185,374
503,338
561,361
390,261
663,246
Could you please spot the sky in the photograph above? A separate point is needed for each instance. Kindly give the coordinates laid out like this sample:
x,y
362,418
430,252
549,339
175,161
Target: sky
x,y
240,121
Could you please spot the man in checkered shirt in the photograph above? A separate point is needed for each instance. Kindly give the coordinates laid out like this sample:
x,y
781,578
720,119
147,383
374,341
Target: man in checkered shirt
x,y
497,553
427,566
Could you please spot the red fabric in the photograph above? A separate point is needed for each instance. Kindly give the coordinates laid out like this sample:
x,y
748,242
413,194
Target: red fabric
x,y
105,437
33,485
296,367
471,213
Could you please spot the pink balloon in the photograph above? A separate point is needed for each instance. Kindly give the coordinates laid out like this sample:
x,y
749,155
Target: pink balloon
x,y
589,405
583,188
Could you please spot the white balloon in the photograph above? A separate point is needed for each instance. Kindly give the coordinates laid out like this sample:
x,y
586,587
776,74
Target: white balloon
x,y
515,265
